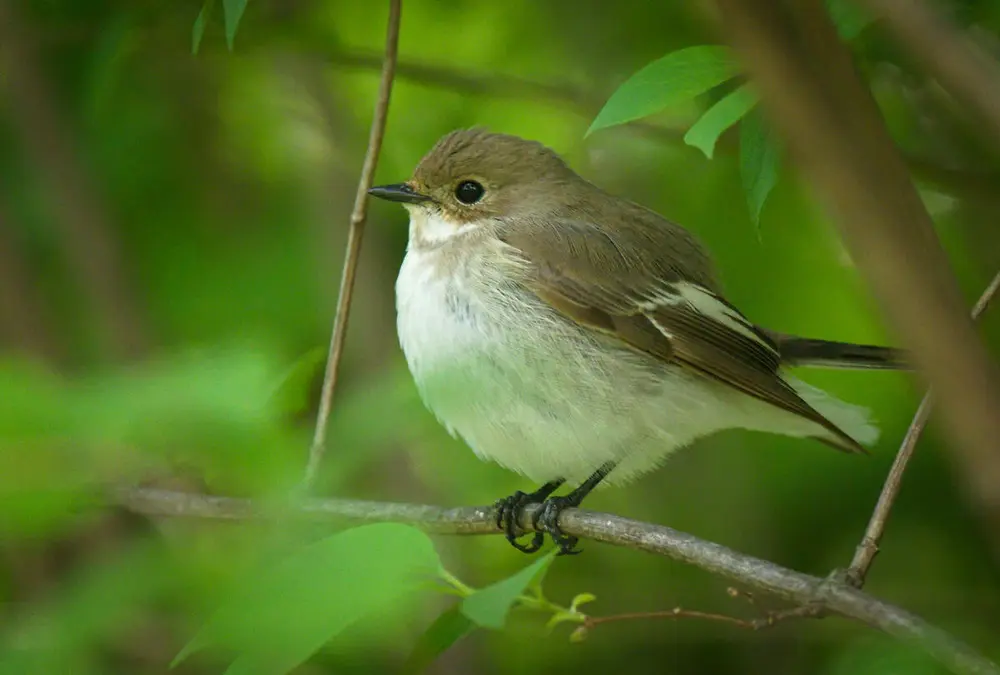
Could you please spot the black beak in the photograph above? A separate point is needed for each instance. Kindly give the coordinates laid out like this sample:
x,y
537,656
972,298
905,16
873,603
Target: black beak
x,y
398,192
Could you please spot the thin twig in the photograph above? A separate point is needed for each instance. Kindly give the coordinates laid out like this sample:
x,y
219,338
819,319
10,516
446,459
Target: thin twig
x,y
970,183
759,623
494,85
864,555
828,595
676,613
961,66
354,236
834,130
473,82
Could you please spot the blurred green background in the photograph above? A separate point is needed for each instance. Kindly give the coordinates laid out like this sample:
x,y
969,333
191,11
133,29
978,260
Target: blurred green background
x,y
171,236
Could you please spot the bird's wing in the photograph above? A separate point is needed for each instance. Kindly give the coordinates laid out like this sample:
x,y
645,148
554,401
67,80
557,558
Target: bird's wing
x,y
648,300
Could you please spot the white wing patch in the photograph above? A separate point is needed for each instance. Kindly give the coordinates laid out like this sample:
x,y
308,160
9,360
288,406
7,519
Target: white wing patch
x,y
707,304
711,306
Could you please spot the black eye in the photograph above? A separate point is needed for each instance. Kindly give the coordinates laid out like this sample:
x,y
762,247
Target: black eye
x,y
469,192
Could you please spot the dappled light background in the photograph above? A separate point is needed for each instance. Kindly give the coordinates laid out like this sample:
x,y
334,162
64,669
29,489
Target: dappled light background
x,y
171,237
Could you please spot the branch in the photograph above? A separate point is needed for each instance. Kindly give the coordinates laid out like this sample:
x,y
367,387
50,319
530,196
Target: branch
x,y
357,228
769,620
471,82
583,101
967,183
865,554
960,65
809,86
829,595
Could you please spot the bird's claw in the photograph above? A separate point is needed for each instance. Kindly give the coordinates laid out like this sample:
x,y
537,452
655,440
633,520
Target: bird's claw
x,y
544,520
508,510
547,519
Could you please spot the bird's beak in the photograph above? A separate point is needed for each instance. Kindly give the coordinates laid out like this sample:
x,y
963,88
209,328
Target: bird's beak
x,y
398,192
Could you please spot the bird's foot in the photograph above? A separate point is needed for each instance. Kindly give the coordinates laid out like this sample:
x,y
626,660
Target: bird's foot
x,y
544,520
509,510
547,519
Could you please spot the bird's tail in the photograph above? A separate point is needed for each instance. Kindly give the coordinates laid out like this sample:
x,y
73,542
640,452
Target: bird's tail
x,y
796,351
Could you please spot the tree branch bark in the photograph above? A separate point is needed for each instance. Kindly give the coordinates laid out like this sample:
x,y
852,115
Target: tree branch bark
x,y
865,554
814,96
831,594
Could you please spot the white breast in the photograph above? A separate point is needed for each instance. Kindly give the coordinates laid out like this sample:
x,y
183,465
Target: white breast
x,y
530,390
535,392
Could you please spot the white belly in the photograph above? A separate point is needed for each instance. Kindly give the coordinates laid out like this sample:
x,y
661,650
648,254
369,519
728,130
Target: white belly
x,y
534,392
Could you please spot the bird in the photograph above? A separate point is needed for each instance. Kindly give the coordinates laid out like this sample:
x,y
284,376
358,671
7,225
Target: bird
x,y
576,337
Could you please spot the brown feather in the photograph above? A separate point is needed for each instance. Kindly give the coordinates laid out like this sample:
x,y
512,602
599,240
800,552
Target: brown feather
x,y
605,284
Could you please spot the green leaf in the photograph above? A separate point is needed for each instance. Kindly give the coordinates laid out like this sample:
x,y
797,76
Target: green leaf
x,y
759,162
200,22
232,11
725,113
677,77
450,627
291,396
289,612
848,17
488,607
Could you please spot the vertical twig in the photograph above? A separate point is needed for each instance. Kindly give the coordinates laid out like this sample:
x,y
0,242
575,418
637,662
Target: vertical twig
x,y
810,86
868,548
357,227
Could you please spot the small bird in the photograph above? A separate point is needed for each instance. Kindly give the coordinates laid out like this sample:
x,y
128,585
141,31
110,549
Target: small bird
x,y
574,336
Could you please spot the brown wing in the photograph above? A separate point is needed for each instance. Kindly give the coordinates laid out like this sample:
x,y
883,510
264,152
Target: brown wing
x,y
656,305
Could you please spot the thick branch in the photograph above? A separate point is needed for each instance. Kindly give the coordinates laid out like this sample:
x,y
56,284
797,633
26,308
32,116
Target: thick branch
x,y
831,594
809,85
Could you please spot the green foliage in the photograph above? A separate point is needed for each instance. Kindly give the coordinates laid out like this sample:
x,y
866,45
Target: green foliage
x,y
759,162
448,628
205,410
850,18
291,396
488,607
200,23
232,11
276,622
726,112
572,614
675,78
282,616
687,73
225,185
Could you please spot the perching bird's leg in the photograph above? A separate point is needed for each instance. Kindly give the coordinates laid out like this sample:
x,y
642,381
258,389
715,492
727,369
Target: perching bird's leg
x,y
509,508
547,517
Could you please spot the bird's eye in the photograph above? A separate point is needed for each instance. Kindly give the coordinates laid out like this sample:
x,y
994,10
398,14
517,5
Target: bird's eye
x,y
469,192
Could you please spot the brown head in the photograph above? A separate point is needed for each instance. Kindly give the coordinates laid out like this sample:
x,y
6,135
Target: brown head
x,y
519,190
472,175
